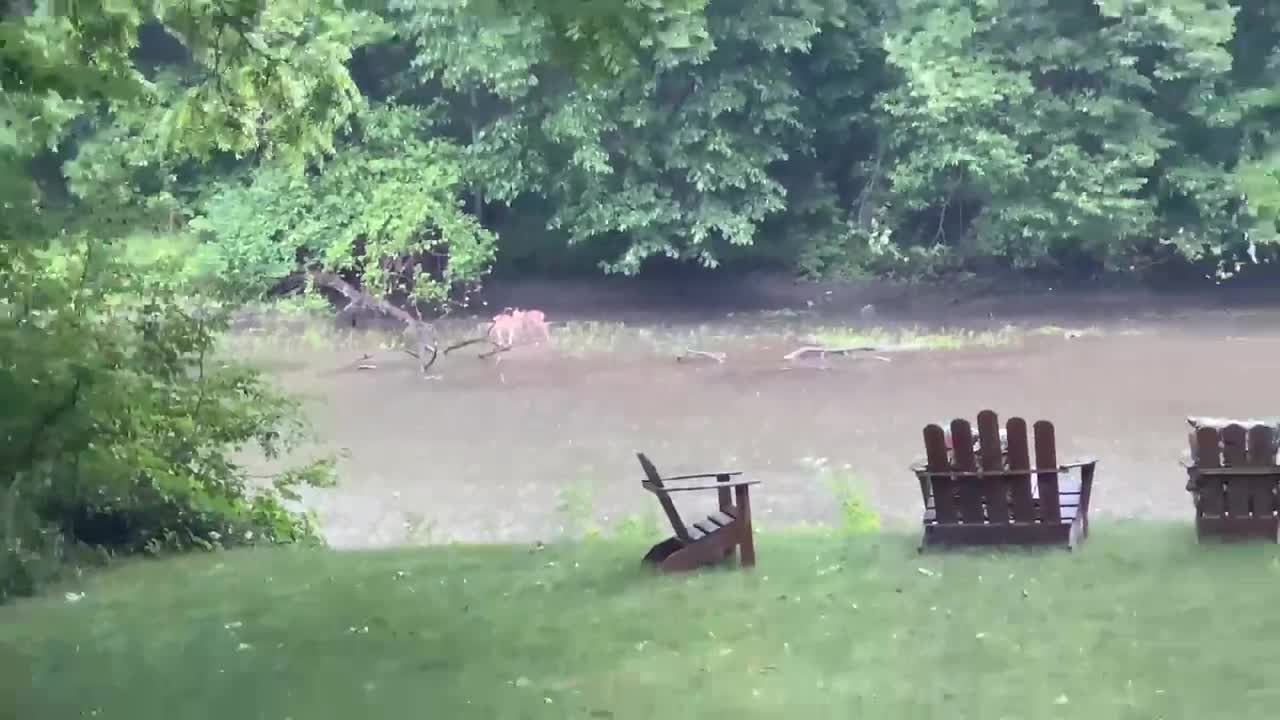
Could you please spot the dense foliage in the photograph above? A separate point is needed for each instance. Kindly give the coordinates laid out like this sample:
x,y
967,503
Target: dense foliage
x,y
847,135
120,420
160,161
827,136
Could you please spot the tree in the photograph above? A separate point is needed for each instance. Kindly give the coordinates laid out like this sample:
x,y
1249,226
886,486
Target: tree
x,y
381,223
686,155
120,424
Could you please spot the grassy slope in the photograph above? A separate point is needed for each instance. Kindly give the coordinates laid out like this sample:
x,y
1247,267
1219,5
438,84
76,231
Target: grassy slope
x,y
1140,623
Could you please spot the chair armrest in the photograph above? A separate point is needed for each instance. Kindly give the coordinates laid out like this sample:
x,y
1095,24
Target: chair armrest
x,y
702,476
924,472
689,488
1075,464
1237,470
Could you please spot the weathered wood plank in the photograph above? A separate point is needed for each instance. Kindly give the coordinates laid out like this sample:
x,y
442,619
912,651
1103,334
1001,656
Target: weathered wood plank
x,y
1234,440
723,494
1211,500
1012,534
942,489
995,490
1235,454
1047,471
1020,459
664,499
746,534
1246,528
1262,453
721,519
970,489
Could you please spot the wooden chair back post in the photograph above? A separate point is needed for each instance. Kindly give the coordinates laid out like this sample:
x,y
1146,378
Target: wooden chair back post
x,y
994,490
1262,453
654,484
746,538
1023,506
965,461
940,487
1235,454
1047,472
724,495
1208,455
1262,445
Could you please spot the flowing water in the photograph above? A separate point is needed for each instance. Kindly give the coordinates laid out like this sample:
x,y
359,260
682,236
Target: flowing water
x,y
541,441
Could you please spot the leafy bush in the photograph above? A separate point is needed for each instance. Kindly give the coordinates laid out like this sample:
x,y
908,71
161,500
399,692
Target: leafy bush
x,y
856,513
121,423
384,209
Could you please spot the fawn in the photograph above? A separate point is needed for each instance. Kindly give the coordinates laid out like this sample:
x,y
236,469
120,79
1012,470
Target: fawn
x,y
514,325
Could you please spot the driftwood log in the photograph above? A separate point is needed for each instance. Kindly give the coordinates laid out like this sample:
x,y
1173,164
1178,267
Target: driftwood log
x,y
691,354
822,351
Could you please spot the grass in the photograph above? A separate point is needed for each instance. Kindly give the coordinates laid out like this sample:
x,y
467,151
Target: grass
x,y
1139,623
587,338
1058,330
914,338
304,330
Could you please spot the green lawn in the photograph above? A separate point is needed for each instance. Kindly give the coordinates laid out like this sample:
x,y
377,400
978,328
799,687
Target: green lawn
x,y
1139,623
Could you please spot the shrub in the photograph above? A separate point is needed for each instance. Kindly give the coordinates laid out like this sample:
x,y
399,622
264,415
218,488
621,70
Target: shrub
x,y
121,425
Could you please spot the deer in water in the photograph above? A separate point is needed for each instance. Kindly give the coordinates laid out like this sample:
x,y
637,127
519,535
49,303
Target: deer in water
x,y
514,325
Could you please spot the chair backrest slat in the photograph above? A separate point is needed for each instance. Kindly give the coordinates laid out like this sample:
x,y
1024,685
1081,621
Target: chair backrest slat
x,y
995,491
1023,506
1208,454
1235,453
1208,448
1262,445
664,498
1234,440
942,488
965,460
1262,453
1047,471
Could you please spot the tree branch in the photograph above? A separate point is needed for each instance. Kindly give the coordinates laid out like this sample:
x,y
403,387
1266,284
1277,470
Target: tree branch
x,y
427,351
358,298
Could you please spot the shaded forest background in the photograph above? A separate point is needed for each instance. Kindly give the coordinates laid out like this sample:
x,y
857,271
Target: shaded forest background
x,y
164,162
832,138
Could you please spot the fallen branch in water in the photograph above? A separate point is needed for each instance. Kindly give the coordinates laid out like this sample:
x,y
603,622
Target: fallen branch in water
x,y
822,351
690,353
496,349
423,332
427,363
465,343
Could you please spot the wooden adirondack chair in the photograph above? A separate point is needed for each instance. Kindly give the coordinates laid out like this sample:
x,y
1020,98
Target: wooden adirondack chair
x,y
1234,480
982,493
705,542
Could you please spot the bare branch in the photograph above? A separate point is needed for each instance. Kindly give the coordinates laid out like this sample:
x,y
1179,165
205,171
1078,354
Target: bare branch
x,y
423,332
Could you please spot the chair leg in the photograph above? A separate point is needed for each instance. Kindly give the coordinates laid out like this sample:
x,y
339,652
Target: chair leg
x,y
746,537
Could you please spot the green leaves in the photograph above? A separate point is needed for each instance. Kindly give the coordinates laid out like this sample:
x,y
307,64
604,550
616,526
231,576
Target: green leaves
x,y
279,83
384,209
121,419
120,427
671,157
1040,133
